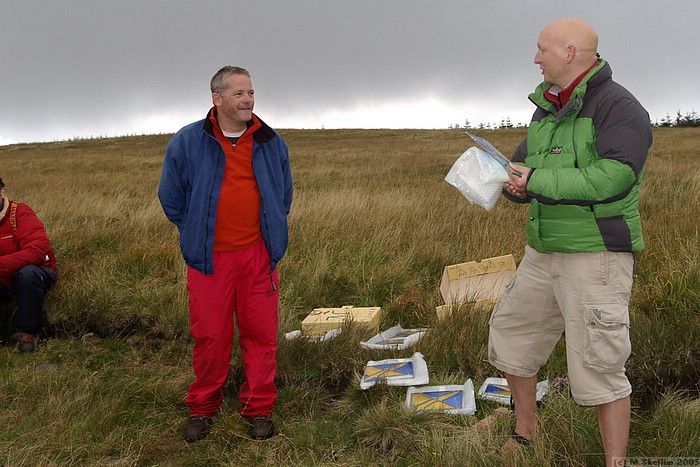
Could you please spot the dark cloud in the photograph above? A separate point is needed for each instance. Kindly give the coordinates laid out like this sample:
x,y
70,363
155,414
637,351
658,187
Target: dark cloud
x,y
87,68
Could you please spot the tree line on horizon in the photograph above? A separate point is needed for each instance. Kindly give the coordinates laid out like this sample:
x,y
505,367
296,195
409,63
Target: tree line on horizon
x,y
690,119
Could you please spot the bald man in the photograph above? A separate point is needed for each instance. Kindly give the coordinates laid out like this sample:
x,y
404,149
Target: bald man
x,y
582,163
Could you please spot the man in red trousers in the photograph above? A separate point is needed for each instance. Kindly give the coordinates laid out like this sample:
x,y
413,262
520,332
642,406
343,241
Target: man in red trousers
x,y
226,184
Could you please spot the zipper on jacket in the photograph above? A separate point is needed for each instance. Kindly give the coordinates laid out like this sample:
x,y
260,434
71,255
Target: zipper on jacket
x,y
573,143
269,240
264,214
269,233
211,191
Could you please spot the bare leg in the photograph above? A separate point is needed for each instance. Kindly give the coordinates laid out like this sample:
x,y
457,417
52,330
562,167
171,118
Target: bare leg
x,y
614,425
524,395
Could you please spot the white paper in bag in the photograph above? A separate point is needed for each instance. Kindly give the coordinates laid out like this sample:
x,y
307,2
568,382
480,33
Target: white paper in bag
x,y
478,177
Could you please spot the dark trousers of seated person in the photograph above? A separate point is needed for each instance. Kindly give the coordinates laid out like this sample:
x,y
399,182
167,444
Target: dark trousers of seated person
x,y
29,286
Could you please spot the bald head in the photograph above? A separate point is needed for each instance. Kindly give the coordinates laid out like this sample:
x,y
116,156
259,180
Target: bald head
x,y
565,49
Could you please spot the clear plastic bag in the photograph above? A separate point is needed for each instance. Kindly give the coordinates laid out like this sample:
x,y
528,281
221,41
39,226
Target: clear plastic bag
x,y
478,177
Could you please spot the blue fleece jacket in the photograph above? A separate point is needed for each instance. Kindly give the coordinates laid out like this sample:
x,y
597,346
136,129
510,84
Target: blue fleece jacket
x,y
190,183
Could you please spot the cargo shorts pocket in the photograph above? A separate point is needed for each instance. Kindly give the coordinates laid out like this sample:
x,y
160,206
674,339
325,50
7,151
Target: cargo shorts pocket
x,y
606,339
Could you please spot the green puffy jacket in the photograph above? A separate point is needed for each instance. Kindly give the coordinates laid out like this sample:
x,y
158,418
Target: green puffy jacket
x,y
588,160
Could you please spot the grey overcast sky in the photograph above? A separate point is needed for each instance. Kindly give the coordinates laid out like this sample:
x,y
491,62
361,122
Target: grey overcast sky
x,y
93,68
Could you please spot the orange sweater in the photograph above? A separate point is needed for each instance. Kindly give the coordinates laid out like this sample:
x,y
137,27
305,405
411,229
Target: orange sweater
x,y
238,213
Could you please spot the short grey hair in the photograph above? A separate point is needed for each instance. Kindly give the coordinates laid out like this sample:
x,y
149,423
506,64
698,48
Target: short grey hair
x,y
218,82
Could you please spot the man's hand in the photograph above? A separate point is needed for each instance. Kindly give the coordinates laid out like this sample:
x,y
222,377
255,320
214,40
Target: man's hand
x,y
516,185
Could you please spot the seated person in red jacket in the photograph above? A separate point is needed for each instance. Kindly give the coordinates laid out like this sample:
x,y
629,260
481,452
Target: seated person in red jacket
x,y
28,268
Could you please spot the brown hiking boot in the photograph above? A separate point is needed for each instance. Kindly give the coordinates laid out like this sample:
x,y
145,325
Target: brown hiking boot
x,y
23,341
261,427
197,428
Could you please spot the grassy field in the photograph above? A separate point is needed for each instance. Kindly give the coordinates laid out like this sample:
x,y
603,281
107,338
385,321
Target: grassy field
x,y
372,224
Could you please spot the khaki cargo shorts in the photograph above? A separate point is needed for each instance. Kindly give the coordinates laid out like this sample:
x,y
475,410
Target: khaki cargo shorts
x,y
585,296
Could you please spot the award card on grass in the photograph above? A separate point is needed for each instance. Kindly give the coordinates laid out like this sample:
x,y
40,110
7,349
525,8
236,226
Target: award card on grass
x,y
497,389
396,372
452,399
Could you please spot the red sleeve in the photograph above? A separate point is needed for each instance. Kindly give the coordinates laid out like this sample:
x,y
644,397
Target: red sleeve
x,y
33,243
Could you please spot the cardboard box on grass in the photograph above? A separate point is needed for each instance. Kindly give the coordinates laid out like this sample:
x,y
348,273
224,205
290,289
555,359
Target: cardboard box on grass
x,y
479,282
322,320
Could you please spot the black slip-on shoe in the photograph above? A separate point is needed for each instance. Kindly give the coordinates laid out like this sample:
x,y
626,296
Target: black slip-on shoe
x,y
519,438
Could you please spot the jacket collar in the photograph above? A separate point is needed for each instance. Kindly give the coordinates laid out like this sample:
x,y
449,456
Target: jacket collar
x,y
560,97
595,76
5,205
262,135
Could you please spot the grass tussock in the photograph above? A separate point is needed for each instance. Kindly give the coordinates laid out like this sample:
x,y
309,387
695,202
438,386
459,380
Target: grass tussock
x,y
372,224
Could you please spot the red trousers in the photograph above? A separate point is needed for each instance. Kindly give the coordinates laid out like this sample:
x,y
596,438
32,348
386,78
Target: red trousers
x,y
241,285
